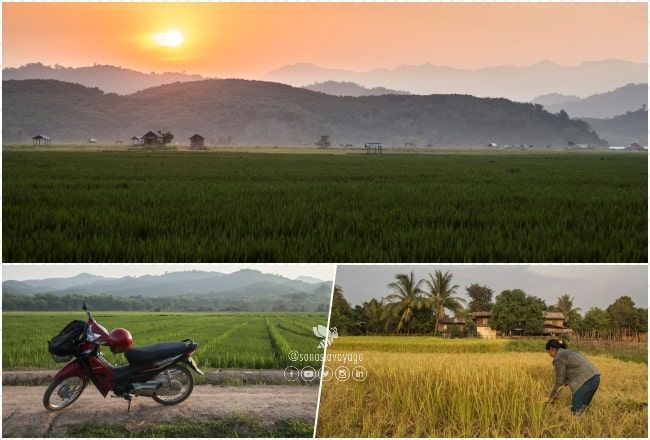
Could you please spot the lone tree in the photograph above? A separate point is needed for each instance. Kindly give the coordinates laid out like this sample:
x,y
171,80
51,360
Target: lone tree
x,y
167,136
514,310
324,142
481,298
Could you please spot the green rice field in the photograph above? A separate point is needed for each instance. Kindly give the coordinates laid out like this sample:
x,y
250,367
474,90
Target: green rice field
x,y
127,206
226,340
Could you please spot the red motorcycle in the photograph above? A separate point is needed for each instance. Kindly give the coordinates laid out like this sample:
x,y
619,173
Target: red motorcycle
x,y
159,371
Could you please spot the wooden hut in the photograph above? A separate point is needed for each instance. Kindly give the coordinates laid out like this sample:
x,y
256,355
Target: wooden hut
x,y
136,140
41,139
373,147
197,142
151,138
447,323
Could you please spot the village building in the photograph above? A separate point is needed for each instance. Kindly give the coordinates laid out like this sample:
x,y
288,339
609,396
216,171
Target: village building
x,y
373,147
446,324
482,322
553,324
151,138
41,139
197,142
136,140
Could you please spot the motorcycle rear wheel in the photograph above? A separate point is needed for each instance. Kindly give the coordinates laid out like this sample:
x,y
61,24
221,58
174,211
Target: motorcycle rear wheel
x,y
182,374
67,390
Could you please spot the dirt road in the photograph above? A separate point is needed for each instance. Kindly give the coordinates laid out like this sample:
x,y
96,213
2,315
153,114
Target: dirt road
x,y
23,413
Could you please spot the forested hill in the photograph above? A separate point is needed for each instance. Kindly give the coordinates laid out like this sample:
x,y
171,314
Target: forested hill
x,y
266,113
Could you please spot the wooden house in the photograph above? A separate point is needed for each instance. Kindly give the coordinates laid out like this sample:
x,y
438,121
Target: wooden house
x,y
553,324
151,138
41,139
197,142
136,140
447,323
482,322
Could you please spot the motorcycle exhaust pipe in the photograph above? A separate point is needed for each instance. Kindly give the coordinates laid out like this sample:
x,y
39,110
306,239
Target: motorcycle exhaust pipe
x,y
146,388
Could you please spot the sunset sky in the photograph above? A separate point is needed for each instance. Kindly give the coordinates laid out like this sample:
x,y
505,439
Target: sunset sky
x,y
248,40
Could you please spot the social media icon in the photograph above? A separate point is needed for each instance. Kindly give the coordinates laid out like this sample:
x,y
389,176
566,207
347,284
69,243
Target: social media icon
x,y
308,374
359,373
342,373
327,373
291,374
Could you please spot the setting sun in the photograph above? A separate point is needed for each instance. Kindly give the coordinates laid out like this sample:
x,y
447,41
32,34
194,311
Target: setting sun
x,y
171,38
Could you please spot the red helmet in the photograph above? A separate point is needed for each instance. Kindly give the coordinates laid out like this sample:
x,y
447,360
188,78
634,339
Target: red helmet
x,y
120,340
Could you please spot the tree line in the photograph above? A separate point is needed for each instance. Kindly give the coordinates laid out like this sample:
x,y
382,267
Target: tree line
x,y
417,306
299,302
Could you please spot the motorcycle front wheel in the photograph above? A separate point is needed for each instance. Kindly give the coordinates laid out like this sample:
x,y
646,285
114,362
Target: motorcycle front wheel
x,y
63,393
178,384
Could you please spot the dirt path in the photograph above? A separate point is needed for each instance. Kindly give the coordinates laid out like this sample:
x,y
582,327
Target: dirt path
x,y
23,413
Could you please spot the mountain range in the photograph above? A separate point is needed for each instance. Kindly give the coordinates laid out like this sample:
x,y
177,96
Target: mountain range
x,y
624,129
266,113
518,83
337,88
246,282
602,105
110,79
512,82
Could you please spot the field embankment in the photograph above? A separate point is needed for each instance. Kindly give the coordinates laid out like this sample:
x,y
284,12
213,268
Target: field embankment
x,y
156,207
259,410
462,388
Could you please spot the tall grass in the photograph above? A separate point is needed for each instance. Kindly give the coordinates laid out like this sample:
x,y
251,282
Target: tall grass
x,y
226,340
134,206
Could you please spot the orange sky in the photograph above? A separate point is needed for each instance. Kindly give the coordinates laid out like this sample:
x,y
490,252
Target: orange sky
x,y
248,40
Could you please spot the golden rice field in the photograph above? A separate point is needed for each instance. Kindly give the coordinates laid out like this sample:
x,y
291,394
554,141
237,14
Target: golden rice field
x,y
475,394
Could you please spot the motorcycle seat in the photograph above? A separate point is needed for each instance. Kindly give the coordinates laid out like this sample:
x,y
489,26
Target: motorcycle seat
x,y
152,353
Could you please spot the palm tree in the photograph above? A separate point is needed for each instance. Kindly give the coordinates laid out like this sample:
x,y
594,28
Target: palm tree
x,y
565,305
441,295
372,312
404,299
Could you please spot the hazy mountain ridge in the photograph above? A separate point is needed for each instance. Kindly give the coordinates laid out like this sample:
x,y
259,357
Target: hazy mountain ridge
x,y
624,129
108,78
512,82
264,113
213,284
603,105
339,88
554,98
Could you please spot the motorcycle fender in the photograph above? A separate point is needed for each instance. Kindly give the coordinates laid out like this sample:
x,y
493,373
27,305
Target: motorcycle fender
x,y
192,363
74,368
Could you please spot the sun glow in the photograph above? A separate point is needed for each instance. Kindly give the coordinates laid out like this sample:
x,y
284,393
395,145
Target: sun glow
x,y
171,38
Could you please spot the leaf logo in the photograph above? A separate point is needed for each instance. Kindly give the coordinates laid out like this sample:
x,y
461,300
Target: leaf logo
x,y
327,337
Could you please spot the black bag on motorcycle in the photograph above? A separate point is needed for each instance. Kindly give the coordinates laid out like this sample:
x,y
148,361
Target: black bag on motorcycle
x,y
62,346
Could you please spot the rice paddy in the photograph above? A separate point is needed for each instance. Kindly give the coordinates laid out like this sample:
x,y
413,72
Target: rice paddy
x,y
226,340
126,206
479,390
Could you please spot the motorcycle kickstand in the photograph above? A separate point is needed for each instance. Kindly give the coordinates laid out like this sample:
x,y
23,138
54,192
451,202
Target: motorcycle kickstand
x,y
129,398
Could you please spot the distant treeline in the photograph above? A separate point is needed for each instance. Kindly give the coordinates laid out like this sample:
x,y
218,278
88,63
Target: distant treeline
x,y
299,302
415,306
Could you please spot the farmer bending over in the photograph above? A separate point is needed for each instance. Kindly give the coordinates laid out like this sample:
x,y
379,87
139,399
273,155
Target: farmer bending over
x,y
573,369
